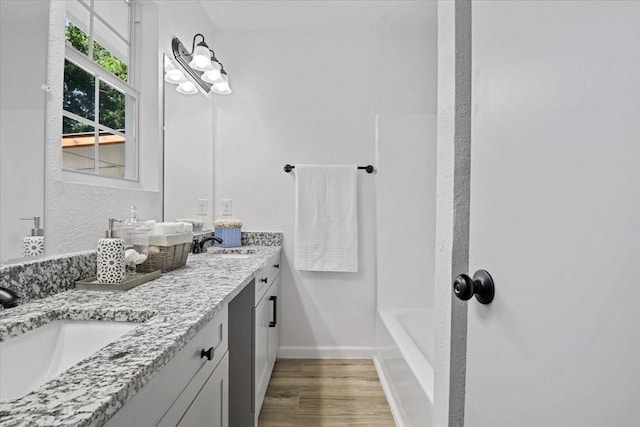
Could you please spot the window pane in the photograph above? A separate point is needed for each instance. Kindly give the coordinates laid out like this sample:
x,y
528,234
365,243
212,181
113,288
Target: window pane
x,y
112,107
76,37
110,62
110,41
116,13
111,154
78,13
78,142
71,127
79,91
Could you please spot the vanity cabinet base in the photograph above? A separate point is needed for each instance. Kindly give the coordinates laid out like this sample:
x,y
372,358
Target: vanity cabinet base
x,y
170,392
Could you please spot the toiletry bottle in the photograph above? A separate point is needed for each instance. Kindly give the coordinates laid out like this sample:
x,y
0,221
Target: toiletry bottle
x,y
34,244
110,263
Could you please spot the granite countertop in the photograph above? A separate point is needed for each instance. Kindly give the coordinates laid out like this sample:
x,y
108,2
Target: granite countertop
x,y
173,308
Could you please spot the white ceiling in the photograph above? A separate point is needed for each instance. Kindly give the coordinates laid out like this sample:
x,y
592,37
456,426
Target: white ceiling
x,y
319,14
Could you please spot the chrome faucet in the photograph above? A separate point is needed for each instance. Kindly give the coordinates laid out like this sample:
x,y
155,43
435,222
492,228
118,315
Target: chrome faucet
x,y
8,298
198,247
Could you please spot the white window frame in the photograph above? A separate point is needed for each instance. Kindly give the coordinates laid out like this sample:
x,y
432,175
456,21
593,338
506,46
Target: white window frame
x,y
129,89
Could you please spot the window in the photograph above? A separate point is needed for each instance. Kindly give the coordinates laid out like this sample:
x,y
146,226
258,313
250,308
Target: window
x,y
100,98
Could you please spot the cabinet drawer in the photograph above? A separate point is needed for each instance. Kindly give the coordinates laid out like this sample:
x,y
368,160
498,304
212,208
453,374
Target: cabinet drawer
x,y
266,275
150,404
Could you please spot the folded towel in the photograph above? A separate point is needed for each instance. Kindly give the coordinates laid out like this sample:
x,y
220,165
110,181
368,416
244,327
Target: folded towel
x,y
326,229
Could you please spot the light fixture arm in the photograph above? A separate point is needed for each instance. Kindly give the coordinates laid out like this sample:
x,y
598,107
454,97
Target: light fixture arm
x,y
193,44
213,58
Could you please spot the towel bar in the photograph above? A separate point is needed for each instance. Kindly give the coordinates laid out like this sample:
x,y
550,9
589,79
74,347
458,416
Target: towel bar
x,y
369,168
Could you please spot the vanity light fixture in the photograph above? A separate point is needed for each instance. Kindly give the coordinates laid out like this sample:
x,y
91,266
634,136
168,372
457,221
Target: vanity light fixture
x,y
172,74
187,88
213,75
222,87
206,72
201,60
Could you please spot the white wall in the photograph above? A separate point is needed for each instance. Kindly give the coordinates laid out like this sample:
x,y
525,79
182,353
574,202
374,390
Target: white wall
x,y
311,97
406,209
21,120
189,121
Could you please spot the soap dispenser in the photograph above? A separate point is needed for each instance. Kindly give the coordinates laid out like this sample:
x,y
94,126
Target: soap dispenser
x,y
110,262
34,244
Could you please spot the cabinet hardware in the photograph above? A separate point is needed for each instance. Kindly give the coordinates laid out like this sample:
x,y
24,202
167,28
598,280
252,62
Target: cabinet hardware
x,y
207,353
274,322
276,265
264,280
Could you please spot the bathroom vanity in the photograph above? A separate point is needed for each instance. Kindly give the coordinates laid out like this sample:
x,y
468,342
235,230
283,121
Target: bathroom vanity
x,y
172,367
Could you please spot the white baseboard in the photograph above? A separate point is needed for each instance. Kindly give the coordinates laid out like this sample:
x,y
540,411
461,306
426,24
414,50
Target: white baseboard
x,y
345,352
391,398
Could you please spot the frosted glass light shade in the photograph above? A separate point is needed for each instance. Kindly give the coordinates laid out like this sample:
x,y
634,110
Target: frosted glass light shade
x,y
201,58
222,88
174,76
213,76
187,88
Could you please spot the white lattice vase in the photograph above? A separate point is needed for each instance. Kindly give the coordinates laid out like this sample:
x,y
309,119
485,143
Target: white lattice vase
x,y
33,246
110,262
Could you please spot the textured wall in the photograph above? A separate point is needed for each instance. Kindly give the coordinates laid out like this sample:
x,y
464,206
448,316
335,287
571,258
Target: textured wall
x,y
452,212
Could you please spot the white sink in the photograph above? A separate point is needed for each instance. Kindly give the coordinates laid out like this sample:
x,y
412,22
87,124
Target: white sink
x,y
31,359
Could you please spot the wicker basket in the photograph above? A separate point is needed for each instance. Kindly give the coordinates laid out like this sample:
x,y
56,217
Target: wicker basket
x,y
165,256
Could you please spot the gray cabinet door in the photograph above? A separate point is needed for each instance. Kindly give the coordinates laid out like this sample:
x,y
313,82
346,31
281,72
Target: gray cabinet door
x,y
209,408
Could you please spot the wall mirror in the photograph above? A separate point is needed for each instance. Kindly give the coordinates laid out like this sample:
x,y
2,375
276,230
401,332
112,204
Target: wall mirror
x,y
58,136
22,118
188,151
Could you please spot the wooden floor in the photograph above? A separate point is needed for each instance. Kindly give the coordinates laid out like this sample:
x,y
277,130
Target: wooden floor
x,y
325,392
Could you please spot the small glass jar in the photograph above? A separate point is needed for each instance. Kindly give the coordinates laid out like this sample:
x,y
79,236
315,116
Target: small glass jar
x,y
135,234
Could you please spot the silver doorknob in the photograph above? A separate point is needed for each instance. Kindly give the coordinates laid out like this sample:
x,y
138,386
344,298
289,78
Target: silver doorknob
x,y
464,287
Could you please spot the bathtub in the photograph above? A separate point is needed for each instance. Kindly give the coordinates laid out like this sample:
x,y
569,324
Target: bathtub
x,y
406,341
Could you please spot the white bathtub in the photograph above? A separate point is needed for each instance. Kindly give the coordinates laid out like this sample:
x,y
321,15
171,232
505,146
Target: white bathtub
x,y
406,343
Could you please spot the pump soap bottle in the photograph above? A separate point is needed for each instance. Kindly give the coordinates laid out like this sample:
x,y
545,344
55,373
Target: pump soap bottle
x,y
34,244
110,262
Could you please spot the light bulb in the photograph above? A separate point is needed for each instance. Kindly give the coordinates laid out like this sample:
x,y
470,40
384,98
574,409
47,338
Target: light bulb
x,y
175,77
201,58
222,87
187,88
213,76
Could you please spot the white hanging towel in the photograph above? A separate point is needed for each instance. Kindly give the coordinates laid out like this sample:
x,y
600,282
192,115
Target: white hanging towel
x,y
326,236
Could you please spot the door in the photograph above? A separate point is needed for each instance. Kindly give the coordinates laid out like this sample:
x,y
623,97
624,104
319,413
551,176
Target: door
x,y
555,214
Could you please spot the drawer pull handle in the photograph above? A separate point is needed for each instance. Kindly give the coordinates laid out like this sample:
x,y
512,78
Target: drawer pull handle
x,y
264,280
276,265
207,353
274,322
